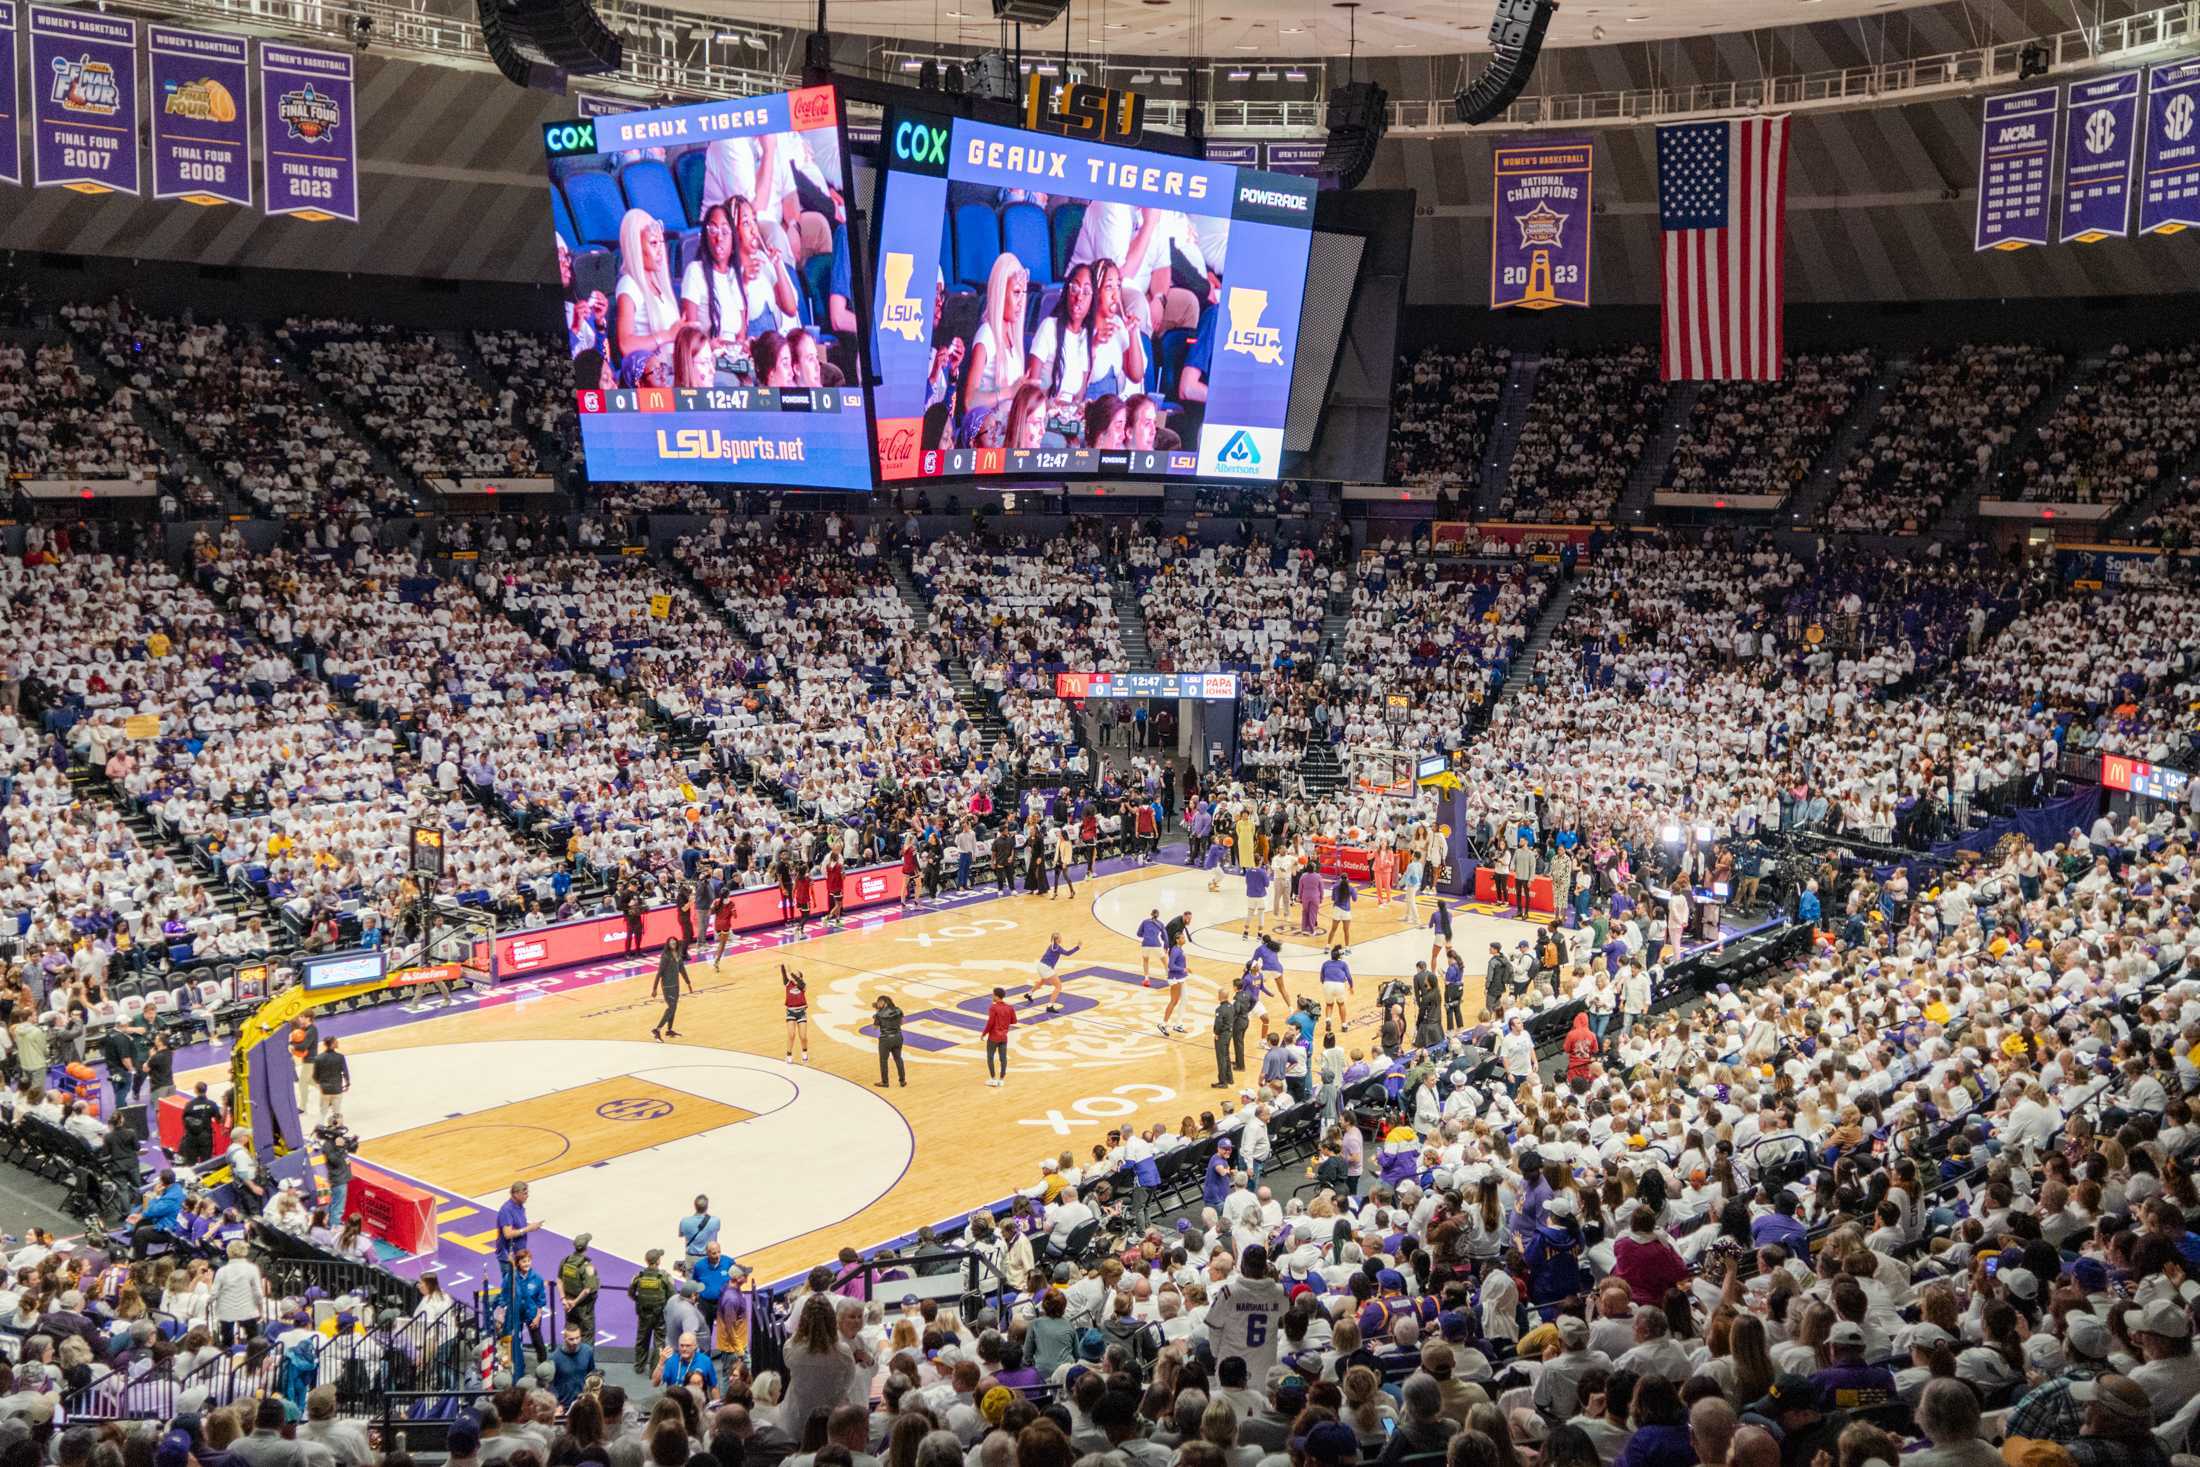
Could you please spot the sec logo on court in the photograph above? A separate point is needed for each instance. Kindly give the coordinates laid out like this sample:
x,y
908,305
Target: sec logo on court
x,y
639,1108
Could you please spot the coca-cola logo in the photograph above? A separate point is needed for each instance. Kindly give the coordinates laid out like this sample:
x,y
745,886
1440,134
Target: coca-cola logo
x,y
811,107
899,446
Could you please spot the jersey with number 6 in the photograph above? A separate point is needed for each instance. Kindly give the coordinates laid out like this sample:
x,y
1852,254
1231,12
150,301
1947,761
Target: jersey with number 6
x,y
1244,1317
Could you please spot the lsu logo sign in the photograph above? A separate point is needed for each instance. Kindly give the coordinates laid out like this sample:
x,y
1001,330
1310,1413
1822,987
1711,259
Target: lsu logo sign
x,y
311,116
1084,111
901,312
694,443
86,86
1264,344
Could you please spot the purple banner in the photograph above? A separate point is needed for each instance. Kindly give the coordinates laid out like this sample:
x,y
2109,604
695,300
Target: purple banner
x,y
1302,160
2100,144
198,93
2169,193
588,105
2016,169
11,147
84,110
1539,228
1237,155
309,133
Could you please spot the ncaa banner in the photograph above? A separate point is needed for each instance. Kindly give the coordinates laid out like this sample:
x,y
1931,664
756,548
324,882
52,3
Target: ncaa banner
x,y
84,114
2169,192
309,137
2100,144
197,88
2016,169
11,148
1539,227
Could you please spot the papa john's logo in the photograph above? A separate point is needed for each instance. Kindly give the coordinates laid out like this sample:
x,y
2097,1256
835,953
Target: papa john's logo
x,y
1264,344
312,116
86,86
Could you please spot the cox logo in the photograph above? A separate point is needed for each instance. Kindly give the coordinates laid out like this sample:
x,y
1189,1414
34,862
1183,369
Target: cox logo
x,y
914,142
564,138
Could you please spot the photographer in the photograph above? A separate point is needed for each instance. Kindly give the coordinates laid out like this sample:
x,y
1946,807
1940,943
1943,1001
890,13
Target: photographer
x,y
337,1145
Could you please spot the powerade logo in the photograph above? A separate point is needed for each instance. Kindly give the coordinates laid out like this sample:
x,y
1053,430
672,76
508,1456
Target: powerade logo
x,y
1274,198
565,139
919,147
1241,455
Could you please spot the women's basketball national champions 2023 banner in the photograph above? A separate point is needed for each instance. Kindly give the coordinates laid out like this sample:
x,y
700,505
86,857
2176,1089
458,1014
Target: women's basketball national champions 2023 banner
x,y
1544,194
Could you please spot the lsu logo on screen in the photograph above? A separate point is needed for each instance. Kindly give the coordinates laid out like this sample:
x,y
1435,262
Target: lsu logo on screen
x,y
812,107
1264,344
901,313
311,116
694,443
86,86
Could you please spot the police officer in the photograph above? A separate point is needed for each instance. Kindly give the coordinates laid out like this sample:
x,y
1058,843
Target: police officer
x,y
1242,1009
1226,1022
200,1116
578,1286
671,969
650,1292
886,1017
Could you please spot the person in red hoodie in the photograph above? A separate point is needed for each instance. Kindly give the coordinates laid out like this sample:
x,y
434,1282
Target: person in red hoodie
x,y
1646,1260
999,1019
1581,1047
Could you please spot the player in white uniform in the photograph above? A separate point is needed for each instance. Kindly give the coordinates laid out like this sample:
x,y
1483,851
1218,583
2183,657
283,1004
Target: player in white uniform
x,y
1245,1314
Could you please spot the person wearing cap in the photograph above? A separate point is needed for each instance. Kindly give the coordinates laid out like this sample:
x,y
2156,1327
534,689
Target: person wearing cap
x,y
2171,1374
651,1290
1849,1383
2116,1430
174,1449
2054,1410
266,1446
1791,1407
1329,1444
463,1440
1558,1387
1553,1253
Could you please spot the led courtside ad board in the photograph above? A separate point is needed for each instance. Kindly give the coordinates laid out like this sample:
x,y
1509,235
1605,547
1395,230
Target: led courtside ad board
x,y
705,273
343,970
1054,308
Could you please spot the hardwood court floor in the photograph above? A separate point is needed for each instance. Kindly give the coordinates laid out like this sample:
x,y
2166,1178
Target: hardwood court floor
x,y
617,1133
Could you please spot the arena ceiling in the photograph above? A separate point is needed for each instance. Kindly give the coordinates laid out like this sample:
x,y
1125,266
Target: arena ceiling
x,y
1292,28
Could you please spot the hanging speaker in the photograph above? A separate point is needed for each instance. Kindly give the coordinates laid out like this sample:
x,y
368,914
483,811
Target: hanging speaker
x,y
1516,39
538,43
1359,114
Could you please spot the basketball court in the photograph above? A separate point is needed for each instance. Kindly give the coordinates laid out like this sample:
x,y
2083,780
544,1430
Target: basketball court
x,y
616,1133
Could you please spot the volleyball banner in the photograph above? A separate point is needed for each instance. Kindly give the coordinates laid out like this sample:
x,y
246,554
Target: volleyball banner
x,y
2100,144
1539,229
2169,192
11,148
2016,169
309,133
198,94
84,107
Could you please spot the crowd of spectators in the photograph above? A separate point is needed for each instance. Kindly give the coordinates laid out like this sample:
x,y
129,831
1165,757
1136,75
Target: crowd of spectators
x,y
2120,431
58,421
1015,614
1443,408
1231,607
1593,414
1763,437
536,384
1939,432
412,391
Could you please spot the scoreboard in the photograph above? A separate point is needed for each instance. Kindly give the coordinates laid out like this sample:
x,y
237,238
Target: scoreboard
x,y
1218,686
2138,777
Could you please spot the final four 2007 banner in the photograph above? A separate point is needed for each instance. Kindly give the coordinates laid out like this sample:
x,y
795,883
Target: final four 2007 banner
x,y
309,132
84,101
202,118
1539,223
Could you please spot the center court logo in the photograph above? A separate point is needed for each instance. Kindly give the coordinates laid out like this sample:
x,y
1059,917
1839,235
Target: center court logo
x,y
637,1108
902,314
1107,1019
1264,344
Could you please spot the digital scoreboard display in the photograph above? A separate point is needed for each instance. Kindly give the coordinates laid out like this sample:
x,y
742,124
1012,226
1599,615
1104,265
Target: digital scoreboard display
x,y
2138,777
1045,307
342,970
1215,685
706,275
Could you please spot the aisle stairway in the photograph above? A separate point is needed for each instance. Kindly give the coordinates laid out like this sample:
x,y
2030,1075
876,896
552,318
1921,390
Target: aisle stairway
x,y
1956,518
157,426
976,706
1512,416
1855,430
1547,622
1137,654
1648,475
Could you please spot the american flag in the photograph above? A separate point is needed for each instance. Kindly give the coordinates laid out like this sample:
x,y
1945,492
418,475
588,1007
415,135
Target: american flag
x,y
1722,202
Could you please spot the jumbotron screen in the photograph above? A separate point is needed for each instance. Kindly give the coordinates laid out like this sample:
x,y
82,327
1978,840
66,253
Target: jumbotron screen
x,y
1053,308
704,261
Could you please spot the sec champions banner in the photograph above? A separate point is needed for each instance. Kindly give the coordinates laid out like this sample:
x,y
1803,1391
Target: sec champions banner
x,y
1539,230
2169,193
198,93
11,153
309,133
84,110
2100,143
2016,169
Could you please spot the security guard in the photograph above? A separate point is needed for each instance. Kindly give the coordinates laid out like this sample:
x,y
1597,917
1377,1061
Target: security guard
x,y
650,1292
578,1286
1226,1020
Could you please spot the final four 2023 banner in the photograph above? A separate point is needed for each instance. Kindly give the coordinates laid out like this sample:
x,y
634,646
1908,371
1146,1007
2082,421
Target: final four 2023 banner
x,y
84,101
201,97
309,132
1539,226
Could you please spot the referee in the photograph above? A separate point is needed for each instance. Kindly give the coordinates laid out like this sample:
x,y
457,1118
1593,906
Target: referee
x,y
886,1018
671,969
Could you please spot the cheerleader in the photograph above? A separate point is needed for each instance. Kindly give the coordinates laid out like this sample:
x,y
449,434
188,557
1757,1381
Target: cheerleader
x,y
1270,958
1341,899
797,995
1386,871
1440,933
1218,856
1179,970
1049,978
1409,891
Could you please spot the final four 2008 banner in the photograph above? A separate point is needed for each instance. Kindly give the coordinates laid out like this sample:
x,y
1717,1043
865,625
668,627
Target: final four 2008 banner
x,y
1539,223
202,117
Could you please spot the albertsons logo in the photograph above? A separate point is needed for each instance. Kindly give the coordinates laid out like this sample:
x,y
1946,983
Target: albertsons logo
x,y
311,116
86,86
1240,453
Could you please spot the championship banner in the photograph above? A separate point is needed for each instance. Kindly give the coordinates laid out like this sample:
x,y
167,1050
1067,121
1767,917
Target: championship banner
x,y
1237,155
197,87
1301,160
309,135
2169,192
11,148
84,111
1539,227
2016,169
2100,144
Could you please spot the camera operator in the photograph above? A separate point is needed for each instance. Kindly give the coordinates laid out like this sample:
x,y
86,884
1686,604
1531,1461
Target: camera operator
x,y
337,1145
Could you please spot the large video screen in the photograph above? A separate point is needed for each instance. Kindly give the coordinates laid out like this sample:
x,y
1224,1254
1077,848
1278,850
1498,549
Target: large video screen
x,y
704,263
1050,308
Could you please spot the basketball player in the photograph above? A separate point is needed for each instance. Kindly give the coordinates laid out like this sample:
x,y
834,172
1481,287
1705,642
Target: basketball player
x,y
1340,898
1048,977
722,920
1256,896
1149,943
836,876
1336,985
671,970
1269,956
798,1012
1179,970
